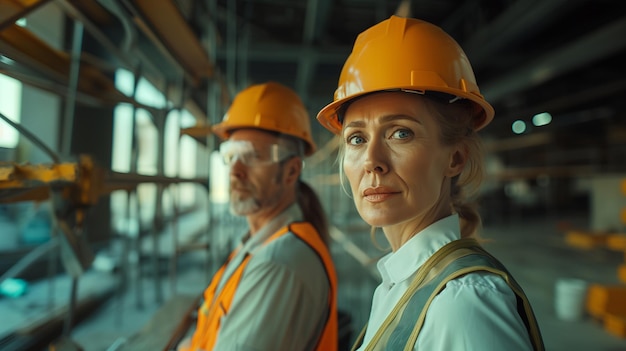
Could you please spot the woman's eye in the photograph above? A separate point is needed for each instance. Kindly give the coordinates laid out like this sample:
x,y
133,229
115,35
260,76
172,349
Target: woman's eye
x,y
355,140
402,134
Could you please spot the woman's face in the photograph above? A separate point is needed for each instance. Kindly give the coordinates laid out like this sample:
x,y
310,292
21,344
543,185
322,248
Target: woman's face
x,y
397,168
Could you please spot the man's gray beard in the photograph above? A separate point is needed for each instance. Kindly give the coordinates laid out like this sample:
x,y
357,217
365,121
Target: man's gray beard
x,y
244,207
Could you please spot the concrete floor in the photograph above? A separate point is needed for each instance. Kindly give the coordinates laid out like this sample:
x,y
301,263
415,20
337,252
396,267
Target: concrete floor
x,y
535,253
533,250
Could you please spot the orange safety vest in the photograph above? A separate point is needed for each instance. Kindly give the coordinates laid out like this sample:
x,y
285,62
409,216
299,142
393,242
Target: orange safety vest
x,y
216,306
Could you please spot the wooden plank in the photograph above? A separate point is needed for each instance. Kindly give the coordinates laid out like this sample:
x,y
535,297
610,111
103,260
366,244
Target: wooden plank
x,y
198,132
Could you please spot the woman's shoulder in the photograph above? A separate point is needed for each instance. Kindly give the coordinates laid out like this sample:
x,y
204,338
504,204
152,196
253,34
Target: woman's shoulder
x,y
477,311
480,285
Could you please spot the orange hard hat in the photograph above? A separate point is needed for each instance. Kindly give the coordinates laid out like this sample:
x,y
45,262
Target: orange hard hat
x,y
270,106
410,54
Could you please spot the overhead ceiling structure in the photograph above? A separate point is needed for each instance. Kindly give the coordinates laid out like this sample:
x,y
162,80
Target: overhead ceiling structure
x,y
561,57
530,56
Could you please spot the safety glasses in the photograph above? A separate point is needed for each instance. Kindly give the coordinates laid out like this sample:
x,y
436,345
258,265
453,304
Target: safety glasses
x,y
252,155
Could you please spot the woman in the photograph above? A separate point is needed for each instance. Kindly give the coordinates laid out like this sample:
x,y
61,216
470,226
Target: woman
x,y
407,109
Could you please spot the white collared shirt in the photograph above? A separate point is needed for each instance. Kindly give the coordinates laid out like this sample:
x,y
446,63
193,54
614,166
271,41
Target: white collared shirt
x,y
477,311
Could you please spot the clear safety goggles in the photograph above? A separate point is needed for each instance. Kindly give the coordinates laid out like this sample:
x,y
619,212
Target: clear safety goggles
x,y
251,155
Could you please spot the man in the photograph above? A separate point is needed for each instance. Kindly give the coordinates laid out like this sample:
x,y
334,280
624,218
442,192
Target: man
x,y
277,291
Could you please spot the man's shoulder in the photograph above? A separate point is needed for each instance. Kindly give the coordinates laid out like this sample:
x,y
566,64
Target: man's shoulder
x,y
289,252
290,255
288,249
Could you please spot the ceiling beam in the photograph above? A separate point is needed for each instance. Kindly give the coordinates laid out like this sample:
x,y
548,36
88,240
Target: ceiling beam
x,y
316,18
592,47
163,23
566,102
306,64
12,10
518,142
271,52
521,19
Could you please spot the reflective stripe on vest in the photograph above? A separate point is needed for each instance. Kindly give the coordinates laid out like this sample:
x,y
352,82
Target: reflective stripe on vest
x,y
400,329
216,306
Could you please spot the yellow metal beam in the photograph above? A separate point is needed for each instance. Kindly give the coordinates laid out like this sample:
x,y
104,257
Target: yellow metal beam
x,y
93,10
167,25
23,46
15,176
12,10
30,46
82,183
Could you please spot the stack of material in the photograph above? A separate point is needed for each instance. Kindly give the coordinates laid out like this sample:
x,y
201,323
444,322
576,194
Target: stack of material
x,y
585,239
608,302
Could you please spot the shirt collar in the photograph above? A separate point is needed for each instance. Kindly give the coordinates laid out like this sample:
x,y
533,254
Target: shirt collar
x,y
398,266
289,215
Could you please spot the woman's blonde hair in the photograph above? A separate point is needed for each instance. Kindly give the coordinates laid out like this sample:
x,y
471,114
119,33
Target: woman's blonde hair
x,y
455,122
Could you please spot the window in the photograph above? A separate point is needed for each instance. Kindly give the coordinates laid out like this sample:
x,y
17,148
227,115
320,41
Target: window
x,y
180,155
10,102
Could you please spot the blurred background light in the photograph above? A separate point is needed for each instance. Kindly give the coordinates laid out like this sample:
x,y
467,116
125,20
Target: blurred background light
x,y
542,119
518,127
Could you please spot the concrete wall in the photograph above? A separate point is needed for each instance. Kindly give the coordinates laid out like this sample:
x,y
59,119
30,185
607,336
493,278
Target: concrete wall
x,y
607,201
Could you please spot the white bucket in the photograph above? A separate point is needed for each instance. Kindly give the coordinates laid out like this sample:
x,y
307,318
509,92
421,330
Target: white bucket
x,y
569,298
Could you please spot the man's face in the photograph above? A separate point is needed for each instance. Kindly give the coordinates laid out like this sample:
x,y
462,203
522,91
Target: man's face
x,y
256,181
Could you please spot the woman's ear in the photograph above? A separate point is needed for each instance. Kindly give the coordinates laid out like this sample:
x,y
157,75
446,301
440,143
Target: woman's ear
x,y
458,157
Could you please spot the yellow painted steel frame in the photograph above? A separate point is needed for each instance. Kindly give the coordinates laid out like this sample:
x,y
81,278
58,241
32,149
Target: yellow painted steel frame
x,y
81,182
19,176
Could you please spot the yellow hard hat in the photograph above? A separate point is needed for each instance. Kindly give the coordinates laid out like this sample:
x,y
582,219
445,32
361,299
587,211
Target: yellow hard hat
x,y
406,53
270,106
